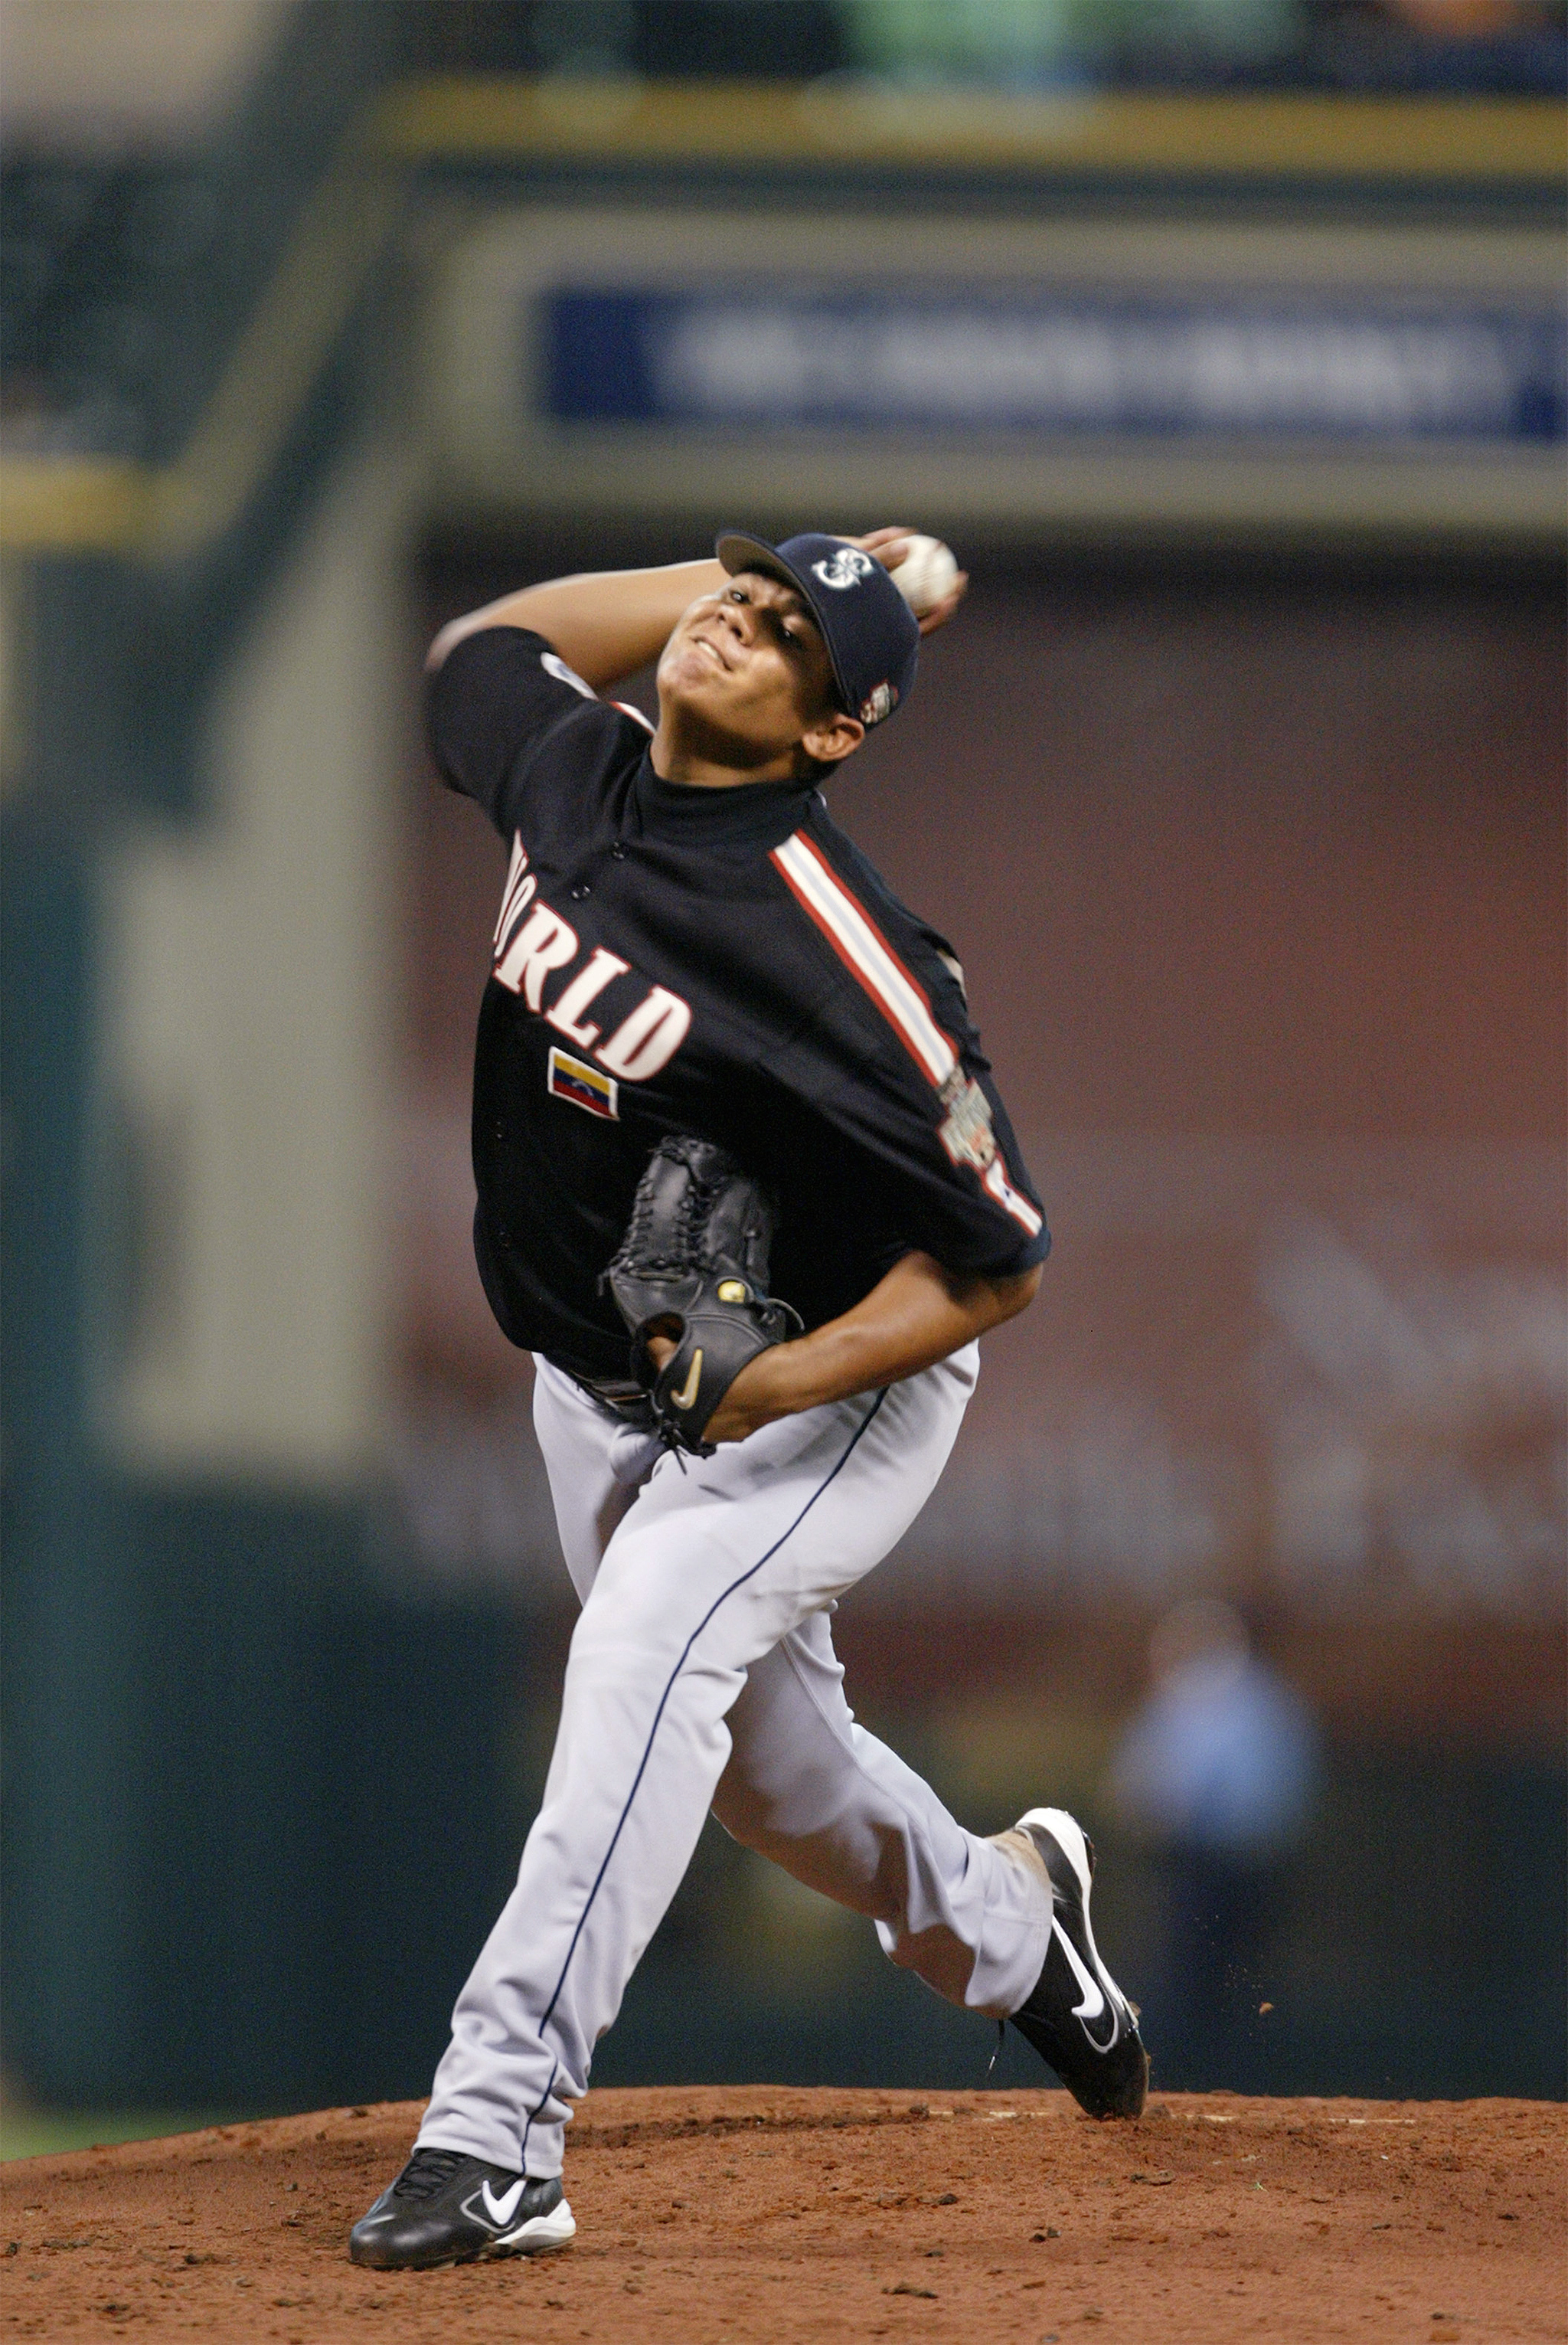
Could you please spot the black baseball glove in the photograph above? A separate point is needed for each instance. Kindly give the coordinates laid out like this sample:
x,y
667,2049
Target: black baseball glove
x,y
693,1266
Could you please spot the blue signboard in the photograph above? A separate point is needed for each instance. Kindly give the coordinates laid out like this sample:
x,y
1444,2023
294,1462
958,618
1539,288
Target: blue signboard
x,y
1362,368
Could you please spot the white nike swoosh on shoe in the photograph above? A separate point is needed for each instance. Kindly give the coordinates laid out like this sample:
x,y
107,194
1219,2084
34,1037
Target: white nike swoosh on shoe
x,y
499,2211
1094,2001
688,1392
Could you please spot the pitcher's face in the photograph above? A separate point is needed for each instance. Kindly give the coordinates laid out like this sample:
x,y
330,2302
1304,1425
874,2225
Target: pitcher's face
x,y
747,666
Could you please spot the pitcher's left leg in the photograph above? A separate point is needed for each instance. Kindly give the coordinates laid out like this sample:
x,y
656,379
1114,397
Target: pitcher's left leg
x,y
716,1560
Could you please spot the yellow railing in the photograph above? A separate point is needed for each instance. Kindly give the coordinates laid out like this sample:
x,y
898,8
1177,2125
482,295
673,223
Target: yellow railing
x,y
1140,134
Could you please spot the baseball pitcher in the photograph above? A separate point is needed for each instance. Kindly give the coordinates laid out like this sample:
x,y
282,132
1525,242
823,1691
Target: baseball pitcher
x,y
748,1193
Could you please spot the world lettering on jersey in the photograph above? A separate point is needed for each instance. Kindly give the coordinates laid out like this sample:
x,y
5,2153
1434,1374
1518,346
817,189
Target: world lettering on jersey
x,y
532,943
722,962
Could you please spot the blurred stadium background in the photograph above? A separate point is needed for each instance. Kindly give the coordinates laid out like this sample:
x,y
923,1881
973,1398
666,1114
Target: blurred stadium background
x,y
1225,341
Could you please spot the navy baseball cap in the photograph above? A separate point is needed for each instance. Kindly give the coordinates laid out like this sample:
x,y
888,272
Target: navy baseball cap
x,y
872,636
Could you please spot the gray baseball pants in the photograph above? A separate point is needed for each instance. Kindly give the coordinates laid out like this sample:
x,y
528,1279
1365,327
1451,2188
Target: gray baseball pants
x,y
703,1675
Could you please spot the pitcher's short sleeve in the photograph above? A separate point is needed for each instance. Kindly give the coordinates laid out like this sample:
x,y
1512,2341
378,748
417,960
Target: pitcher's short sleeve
x,y
494,703
891,1061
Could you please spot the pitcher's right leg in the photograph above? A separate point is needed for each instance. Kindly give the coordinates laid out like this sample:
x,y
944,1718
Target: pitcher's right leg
x,y
999,1925
810,1789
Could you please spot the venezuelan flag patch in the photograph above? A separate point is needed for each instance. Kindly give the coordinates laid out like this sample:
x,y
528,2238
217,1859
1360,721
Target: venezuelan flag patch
x,y
583,1085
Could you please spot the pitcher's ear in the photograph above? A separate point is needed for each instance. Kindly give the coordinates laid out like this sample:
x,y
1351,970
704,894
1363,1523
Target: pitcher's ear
x,y
833,738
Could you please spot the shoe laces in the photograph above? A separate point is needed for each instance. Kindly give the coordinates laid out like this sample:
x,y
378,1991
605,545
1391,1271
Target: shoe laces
x,y
427,2172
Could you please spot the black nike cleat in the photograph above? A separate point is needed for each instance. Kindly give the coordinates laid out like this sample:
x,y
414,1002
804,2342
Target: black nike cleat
x,y
446,2208
1078,2018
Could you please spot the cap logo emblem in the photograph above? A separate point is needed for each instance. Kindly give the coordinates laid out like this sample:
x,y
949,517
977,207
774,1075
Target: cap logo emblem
x,y
847,568
878,704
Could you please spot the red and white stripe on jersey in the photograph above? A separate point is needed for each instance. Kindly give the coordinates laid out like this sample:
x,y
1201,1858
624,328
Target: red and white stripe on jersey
x,y
995,1181
896,991
867,955
553,665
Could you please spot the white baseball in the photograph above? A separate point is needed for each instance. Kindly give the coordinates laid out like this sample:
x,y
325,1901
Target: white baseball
x,y
926,576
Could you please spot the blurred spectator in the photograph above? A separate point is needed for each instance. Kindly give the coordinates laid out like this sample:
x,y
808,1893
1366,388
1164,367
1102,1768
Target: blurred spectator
x,y
1219,1769
1493,45
1026,40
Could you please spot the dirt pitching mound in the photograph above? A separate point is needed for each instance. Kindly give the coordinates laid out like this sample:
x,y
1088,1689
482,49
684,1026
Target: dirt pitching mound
x,y
766,2213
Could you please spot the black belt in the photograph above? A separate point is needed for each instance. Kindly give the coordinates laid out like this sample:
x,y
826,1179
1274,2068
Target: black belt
x,y
628,1400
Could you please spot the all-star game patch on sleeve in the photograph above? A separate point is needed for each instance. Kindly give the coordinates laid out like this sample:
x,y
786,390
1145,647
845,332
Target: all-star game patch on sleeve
x,y
893,1062
495,701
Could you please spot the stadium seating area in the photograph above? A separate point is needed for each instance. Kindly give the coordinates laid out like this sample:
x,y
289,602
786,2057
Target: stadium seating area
x,y
89,247
122,274
1364,45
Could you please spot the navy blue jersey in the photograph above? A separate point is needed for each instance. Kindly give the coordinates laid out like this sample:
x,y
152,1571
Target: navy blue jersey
x,y
672,958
